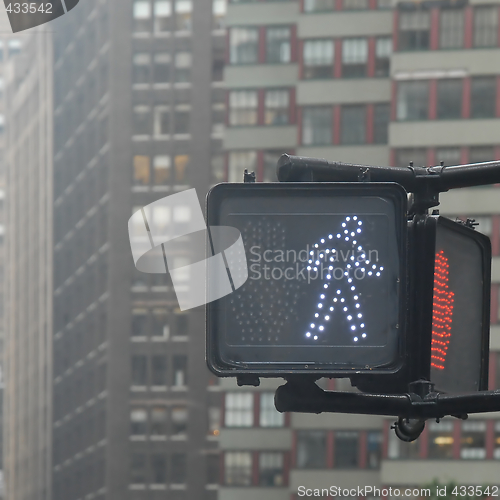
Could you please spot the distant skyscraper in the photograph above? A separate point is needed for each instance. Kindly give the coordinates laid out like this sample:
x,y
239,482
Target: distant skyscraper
x,y
28,271
137,110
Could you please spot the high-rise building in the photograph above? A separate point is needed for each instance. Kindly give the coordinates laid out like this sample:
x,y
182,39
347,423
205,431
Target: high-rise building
x,y
27,350
373,82
137,111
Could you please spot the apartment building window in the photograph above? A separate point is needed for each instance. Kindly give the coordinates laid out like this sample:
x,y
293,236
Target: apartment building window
x,y
346,449
182,118
398,449
414,30
141,68
412,100
138,468
141,171
238,161
483,97
139,322
180,322
269,416
158,370
440,439
178,468
161,68
383,51
181,164
183,67
355,4
311,449
473,440
319,5
179,417
163,15
485,26
183,13
316,125
162,120
449,156
180,371
451,29
139,375
407,155
278,45
353,124
449,99
381,118
354,57
384,4
271,469
318,59
496,451
243,45
142,16
480,154
138,422
219,10
158,468
373,449
141,124
276,104
243,107
238,409
238,468
161,166
158,421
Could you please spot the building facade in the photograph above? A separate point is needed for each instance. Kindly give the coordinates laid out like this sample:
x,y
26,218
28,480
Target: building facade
x,y
27,350
379,83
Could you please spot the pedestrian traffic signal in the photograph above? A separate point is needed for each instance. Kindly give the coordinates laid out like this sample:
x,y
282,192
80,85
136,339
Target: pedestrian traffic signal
x,y
461,305
326,288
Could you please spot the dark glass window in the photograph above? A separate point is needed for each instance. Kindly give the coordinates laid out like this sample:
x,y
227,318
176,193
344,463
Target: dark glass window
x,y
178,468
158,421
158,468
449,99
278,45
316,125
413,100
485,26
243,45
141,68
141,16
473,440
311,449
271,469
451,29
162,68
414,30
181,124
179,417
139,375
383,51
483,97
138,468
479,154
373,449
139,320
319,5
138,421
355,4
180,371
353,124
158,370
346,449
381,118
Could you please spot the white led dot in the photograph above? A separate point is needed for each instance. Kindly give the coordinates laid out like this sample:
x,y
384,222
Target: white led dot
x,y
357,306
331,308
335,299
355,339
325,286
330,236
320,305
353,328
349,317
322,240
374,266
316,245
317,262
360,223
342,300
338,292
321,328
322,296
308,268
312,325
308,334
327,317
378,274
381,268
353,234
345,309
353,288
370,273
347,238
347,219
354,218
343,224
362,325
364,335
328,277
355,297
315,337
316,315
338,235
360,315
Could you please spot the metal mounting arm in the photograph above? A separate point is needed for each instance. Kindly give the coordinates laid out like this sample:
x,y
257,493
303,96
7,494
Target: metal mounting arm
x,y
425,182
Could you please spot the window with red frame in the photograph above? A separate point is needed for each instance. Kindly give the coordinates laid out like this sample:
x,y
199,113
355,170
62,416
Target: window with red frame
x,y
381,119
483,90
451,28
243,106
239,409
271,468
354,57
311,449
353,124
278,44
414,30
346,450
244,45
449,99
485,26
238,468
383,51
277,107
317,59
